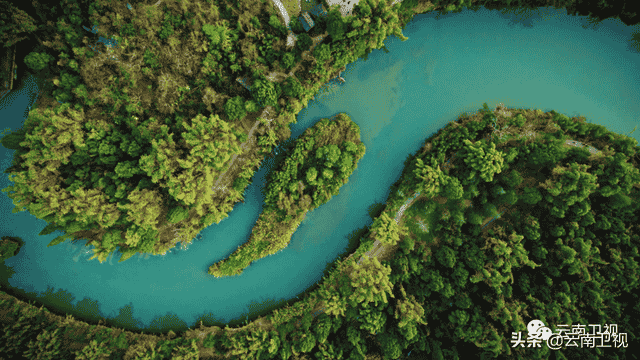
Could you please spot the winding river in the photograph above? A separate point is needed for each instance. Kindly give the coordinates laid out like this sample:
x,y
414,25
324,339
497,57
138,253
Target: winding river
x,y
451,64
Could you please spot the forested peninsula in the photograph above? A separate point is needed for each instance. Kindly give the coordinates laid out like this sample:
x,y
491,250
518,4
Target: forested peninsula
x,y
319,163
450,283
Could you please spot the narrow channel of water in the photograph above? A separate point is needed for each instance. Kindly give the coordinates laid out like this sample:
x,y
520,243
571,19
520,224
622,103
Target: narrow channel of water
x,y
448,66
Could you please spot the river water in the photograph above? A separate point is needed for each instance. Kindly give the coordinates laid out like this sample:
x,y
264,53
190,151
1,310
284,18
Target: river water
x,y
449,65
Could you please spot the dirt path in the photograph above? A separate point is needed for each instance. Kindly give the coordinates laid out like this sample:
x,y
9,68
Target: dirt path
x,y
266,111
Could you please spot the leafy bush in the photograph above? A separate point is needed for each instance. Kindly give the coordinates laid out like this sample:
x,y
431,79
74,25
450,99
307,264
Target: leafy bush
x,y
264,91
288,60
151,59
292,87
517,121
94,351
216,34
251,106
235,108
38,61
46,346
474,218
177,214
304,42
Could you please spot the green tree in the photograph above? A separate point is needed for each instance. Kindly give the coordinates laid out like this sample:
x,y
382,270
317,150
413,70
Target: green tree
x,y
264,92
234,108
569,186
409,311
390,344
305,342
312,173
15,24
335,24
386,230
322,53
93,350
372,319
9,247
432,178
216,34
531,196
453,188
369,283
304,42
482,159
474,218
46,346
275,23
177,214
12,140
292,87
251,106
322,328
38,61
328,352
446,256
509,197
363,9
288,60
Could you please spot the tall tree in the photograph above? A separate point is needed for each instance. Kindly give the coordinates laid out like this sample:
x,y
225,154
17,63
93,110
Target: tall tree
x,y
264,92
385,229
482,159
335,24
15,24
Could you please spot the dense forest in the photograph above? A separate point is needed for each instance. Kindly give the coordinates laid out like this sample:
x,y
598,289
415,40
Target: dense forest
x,y
130,151
125,149
319,163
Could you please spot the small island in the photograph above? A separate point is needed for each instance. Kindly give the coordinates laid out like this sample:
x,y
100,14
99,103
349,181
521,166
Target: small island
x,y
321,161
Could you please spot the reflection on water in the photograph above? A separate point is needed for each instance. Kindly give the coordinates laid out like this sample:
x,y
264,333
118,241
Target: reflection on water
x,y
86,252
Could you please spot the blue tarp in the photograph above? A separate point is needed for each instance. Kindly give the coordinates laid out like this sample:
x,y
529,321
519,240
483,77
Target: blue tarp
x,y
306,21
318,10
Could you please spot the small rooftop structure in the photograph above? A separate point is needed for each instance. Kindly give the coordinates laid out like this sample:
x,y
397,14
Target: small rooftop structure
x,y
306,21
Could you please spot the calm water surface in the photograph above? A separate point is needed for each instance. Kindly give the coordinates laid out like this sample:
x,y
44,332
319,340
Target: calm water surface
x,y
449,65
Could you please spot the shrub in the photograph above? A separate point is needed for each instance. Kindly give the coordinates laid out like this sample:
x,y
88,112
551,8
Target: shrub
x,y
93,351
177,214
234,108
46,346
38,61
251,106
518,121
